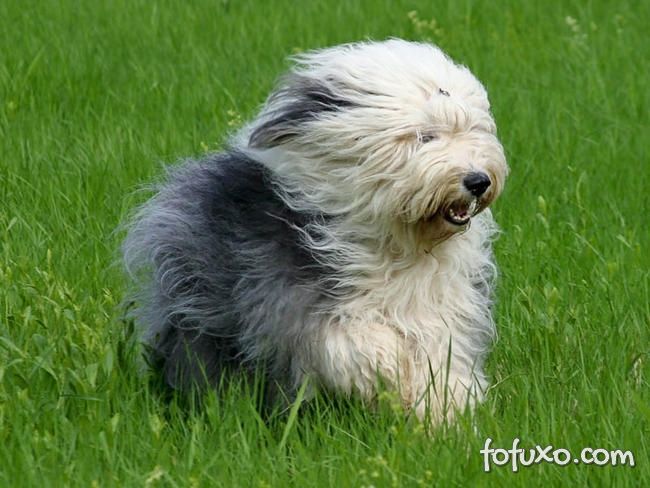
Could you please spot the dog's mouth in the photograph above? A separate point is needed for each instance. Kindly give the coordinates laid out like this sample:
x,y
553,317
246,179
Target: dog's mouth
x,y
460,213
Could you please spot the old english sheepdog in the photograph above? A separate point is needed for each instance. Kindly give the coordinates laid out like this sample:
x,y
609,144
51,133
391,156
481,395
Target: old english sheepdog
x,y
343,236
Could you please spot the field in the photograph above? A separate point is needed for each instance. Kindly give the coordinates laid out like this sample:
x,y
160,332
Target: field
x,y
96,96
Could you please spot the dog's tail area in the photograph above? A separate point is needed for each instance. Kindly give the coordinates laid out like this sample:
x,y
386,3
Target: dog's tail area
x,y
179,298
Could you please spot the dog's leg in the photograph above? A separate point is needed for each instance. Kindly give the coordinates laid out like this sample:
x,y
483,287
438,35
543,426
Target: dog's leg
x,y
355,359
444,390
189,359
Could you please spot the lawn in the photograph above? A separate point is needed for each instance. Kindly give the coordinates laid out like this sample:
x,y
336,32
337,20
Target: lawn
x,y
95,97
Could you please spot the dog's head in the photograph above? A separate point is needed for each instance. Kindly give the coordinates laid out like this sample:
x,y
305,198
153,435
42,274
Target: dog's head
x,y
387,131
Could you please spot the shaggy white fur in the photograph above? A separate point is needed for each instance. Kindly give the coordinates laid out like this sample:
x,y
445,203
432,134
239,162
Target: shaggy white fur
x,y
394,146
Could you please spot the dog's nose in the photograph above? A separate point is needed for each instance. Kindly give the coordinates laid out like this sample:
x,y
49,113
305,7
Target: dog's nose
x,y
476,183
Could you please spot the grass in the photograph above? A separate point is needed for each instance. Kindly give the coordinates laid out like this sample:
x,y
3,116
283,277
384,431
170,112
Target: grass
x,y
94,96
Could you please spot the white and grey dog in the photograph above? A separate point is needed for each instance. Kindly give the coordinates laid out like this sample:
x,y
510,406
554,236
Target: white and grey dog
x,y
344,235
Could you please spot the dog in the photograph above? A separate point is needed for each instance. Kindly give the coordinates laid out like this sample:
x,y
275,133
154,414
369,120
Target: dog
x,y
343,236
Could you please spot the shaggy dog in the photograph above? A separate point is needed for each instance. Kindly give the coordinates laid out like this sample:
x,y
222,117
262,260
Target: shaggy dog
x,y
344,236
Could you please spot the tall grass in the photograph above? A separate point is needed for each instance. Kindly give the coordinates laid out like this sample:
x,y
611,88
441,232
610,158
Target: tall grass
x,y
95,96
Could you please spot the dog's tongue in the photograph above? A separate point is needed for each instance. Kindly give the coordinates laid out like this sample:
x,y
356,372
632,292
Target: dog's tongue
x,y
461,211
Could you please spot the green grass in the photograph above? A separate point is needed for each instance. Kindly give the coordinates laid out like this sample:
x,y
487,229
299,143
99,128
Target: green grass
x,y
94,96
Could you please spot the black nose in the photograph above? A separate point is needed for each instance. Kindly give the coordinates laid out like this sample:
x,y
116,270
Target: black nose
x,y
476,183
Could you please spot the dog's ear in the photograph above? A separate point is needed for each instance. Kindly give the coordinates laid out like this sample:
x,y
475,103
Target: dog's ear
x,y
299,100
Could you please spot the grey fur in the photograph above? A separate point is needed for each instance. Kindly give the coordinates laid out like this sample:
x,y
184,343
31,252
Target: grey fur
x,y
309,99
223,266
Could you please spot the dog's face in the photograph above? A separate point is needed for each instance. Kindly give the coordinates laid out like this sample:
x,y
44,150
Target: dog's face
x,y
391,131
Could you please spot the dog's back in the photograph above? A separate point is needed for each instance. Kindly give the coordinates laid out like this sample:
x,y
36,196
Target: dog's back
x,y
221,255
